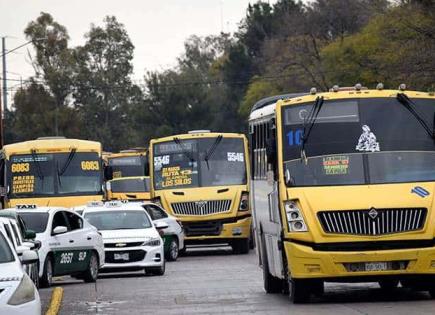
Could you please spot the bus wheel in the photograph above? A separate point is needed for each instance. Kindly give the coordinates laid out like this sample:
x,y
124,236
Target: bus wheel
x,y
300,291
271,284
388,284
251,239
240,246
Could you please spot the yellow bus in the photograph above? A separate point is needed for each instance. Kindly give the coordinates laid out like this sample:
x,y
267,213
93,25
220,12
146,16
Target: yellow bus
x,y
129,188
201,178
52,171
344,189
127,163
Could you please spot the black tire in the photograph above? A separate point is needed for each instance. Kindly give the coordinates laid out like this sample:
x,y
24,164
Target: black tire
x,y
271,284
157,271
300,290
91,274
240,246
35,274
251,239
388,284
173,250
47,274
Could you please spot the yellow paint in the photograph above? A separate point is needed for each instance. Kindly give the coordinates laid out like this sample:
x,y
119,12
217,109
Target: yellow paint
x,y
55,302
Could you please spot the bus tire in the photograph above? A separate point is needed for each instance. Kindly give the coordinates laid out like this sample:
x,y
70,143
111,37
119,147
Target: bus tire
x,y
91,274
240,246
47,274
300,291
271,284
251,239
388,284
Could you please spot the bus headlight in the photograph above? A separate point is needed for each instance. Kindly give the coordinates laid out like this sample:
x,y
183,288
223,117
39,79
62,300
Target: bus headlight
x,y
244,202
296,222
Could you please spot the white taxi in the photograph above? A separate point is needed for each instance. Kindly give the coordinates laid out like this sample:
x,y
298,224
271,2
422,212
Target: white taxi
x,y
131,240
18,294
69,244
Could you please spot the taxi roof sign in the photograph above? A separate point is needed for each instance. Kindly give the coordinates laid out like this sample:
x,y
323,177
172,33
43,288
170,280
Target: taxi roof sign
x,y
95,203
114,204
26,206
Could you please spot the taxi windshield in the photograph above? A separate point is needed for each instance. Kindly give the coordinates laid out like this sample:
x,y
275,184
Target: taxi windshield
x,y
118,220
36,222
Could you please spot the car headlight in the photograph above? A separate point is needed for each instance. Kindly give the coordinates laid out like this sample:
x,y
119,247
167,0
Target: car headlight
x,y
295,220
152,242
24,293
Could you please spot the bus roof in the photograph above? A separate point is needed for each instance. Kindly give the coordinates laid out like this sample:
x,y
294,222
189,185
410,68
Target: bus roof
x,y
199,135
273,99
343,94
126,153
51,145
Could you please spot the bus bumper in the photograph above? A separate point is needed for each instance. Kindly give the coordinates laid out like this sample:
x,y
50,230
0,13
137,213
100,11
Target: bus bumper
x,y
305,262
224,232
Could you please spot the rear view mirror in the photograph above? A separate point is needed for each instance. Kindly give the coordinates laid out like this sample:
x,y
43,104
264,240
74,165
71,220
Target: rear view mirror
x,y
60,230
29,257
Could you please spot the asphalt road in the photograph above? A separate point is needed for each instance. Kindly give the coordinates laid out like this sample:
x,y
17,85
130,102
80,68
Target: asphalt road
x,y
217,282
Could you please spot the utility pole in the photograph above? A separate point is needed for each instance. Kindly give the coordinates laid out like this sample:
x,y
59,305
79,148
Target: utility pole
x,y
5,94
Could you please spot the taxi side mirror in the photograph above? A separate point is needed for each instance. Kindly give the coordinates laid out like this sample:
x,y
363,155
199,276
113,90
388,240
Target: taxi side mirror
x,y
29,257
29,235
59,230
161,225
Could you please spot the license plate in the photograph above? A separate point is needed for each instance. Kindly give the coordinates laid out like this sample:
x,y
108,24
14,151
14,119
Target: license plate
x,y
123,256
376,266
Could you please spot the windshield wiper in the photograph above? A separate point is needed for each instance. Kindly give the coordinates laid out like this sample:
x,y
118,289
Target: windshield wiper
x,y
38,166
67,163
183,149
411,107
309,122
211,150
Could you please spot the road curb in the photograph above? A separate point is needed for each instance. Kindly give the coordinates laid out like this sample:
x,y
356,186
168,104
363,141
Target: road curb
x,y
55,302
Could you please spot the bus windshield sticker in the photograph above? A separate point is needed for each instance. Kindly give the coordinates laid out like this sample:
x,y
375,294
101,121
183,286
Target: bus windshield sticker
x,y
23,184
336,165
235,157
367,141
175,176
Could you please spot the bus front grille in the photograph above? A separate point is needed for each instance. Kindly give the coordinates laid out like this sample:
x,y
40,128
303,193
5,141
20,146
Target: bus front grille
x,y
373,221
203,207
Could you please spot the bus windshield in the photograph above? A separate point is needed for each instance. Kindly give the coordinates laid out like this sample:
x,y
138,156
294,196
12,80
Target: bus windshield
x,y
359,141
201,162
127,166
74,173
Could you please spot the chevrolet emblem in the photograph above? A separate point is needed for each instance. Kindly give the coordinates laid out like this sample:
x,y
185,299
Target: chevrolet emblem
x,y
121,245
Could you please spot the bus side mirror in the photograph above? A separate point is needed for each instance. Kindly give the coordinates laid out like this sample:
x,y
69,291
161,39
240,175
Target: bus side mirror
x,y
108,173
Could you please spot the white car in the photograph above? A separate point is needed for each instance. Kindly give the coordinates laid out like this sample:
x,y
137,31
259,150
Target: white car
x,y
69,244
18,294
11,228
173,235
131,240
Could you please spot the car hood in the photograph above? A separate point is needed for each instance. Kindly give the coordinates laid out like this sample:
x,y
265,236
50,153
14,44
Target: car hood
x,y
10,274
128,235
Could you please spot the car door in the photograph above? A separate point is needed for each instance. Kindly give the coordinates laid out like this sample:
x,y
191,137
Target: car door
x,y
62,246
82,237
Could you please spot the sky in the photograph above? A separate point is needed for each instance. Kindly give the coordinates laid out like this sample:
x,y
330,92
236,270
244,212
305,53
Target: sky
x,y
157,28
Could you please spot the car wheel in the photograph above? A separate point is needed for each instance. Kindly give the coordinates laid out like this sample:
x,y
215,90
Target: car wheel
x,y
173,250
240,246
47,275
157,271
91,274
35,275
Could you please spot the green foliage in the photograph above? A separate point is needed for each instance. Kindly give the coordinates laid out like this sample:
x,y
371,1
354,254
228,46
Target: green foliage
x,y
257,90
